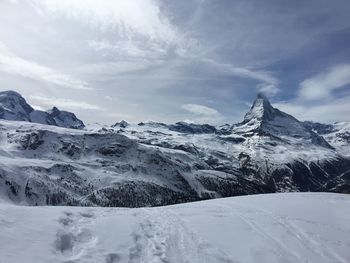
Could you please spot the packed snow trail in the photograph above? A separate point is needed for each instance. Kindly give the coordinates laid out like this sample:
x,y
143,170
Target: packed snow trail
x,y
299,227
164,237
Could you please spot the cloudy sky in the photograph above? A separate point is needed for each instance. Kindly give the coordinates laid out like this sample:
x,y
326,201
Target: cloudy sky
x,y
166,60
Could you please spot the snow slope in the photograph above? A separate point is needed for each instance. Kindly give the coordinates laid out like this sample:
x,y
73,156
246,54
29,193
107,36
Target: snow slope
x,y
294,227
340,137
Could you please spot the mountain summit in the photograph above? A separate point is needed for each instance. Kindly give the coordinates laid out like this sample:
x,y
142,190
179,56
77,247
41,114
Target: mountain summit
x,y
65,119
265,120
261,109
15,108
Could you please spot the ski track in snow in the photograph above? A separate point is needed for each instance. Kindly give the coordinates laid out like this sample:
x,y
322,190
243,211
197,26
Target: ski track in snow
x,y
163,238
255,216
159,237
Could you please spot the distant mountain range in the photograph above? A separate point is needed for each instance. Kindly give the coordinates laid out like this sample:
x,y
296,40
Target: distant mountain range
x,y
14,107
51,158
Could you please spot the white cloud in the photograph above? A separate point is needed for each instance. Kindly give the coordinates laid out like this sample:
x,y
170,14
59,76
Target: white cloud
x,y
139,27
321,85
202,114
12,64
324,107
119,116
127,48
107,97
336,110
268,82
128,18
200,110
64,103
112,69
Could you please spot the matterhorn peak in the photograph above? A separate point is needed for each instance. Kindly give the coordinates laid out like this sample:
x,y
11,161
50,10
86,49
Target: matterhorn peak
x,y
262,96
261,109
263,119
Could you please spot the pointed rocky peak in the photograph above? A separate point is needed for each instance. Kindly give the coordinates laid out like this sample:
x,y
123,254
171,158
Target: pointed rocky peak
x,y
121,124
66,119
261,109
54,111
264,120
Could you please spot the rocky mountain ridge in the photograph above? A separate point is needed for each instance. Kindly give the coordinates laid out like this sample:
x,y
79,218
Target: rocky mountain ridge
x,y
14,107
153,164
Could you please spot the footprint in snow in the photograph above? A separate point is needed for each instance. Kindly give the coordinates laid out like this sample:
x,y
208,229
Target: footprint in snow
x,y
74,237
113,258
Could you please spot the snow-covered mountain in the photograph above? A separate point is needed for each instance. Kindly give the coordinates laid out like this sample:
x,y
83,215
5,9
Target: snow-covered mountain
x,y
288,228
268,147
14,107
151,164
337,134
263,119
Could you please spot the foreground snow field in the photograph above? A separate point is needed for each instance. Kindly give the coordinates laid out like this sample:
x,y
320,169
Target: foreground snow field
x,y
294,227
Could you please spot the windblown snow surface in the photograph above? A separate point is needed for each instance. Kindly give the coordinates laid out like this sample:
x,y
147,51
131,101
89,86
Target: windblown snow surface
x,y
293,227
